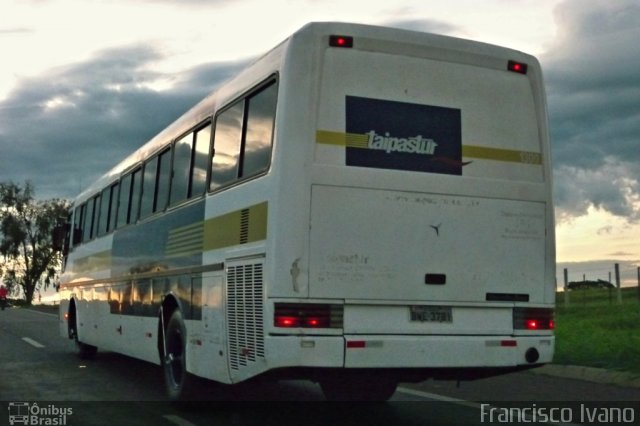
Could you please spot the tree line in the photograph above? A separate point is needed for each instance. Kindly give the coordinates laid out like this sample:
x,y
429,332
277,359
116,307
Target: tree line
x,y
29,259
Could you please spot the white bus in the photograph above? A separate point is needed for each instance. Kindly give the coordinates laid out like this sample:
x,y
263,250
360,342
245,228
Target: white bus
x,y
361,206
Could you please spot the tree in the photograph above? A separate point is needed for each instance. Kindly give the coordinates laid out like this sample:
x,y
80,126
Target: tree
x,y
30,260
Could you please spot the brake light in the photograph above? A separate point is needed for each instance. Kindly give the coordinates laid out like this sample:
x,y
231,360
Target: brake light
x,y
519,67
533,319
286,321
532,324
340,41
314,322
307,315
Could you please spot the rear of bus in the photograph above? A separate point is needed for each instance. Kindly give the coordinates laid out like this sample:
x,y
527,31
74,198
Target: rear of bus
x,y
431,242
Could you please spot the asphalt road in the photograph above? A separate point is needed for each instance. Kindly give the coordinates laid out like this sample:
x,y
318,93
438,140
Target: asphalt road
x,y
41,377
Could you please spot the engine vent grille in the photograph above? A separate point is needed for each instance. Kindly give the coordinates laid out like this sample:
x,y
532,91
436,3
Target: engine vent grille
x,y
245,314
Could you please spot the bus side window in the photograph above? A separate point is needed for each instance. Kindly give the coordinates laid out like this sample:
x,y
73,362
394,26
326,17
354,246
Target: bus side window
x,y
200,161
261,111
164,180
226,145
113,209
148,187
123,201
181,169
88,220
136,192
78,217
103,217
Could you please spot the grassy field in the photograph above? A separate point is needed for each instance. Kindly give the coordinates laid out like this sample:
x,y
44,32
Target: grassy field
x,y
596,331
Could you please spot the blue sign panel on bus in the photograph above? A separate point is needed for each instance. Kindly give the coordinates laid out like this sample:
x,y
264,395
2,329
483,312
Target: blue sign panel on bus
x,y
404,136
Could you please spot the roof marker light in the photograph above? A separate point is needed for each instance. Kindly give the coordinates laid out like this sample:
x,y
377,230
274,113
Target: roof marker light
x,y
340,41
519,67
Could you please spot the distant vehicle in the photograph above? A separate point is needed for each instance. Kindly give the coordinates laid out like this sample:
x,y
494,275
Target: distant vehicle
x,y
580,285
361,206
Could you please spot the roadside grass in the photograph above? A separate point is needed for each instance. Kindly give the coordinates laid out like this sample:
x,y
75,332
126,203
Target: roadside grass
x,y
596,331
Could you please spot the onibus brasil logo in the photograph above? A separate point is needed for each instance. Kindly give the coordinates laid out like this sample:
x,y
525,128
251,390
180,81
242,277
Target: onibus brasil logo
x,y
26,413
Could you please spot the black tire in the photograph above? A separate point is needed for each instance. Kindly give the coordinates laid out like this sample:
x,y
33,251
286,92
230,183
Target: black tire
x,y
358,389
83,350
174,359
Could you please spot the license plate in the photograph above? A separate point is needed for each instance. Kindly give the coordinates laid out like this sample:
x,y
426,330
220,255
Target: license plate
x,y
431,314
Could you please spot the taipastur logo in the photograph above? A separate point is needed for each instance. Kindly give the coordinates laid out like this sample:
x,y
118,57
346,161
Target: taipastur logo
x,y
386,134
412,145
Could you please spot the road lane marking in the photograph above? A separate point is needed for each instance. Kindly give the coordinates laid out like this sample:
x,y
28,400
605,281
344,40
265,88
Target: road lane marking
x,y
436,397
33,342
177,420
42,313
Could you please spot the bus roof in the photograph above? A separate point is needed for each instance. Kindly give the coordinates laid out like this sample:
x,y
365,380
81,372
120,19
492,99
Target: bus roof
x,y
405,42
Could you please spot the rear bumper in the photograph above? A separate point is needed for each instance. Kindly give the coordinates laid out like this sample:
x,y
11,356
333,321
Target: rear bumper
x,y
446,351
397,352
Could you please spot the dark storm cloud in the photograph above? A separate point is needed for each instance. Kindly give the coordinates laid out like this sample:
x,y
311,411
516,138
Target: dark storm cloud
x,y
593,86
68,126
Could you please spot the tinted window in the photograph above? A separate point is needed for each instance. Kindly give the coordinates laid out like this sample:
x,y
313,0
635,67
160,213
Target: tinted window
x,y
226,146
123,200
164,179
181,169
113,211
261,110
200,161
103,221
136,189
78,218
87,229
148,187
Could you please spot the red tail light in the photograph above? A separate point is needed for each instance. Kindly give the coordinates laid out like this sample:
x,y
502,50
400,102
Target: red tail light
x,y
286,321
533,319
532,324
519,67
307,315
340,41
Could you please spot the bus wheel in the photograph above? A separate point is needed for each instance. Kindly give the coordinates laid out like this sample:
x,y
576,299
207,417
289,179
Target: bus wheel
x,y
83,350
354,389
174,361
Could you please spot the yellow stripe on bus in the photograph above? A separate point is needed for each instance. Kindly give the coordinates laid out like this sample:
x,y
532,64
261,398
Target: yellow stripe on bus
x,y
239,227
499,154
185,240
354,140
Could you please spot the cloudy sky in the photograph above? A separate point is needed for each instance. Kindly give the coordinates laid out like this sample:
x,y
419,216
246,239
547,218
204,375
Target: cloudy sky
x,y
85,82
